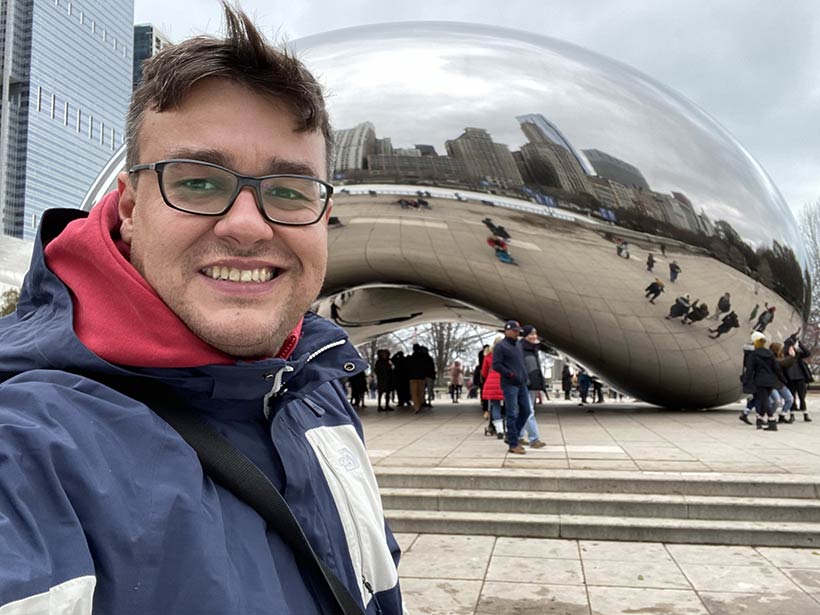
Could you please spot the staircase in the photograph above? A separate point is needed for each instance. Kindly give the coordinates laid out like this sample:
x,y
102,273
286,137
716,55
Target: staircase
x,y
736,509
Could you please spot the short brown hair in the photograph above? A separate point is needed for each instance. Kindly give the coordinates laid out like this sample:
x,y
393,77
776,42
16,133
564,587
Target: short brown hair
x,y
243,56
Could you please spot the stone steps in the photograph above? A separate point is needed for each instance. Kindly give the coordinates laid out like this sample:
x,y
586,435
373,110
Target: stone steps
x,y
739,509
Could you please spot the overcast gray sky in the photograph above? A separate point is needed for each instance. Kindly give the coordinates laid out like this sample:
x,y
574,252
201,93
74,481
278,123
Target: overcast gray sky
x,y
753,65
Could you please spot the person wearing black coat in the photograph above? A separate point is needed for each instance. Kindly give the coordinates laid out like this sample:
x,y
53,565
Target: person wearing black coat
x,y
384,379
763,374
566,382
400,379
798,375
478,381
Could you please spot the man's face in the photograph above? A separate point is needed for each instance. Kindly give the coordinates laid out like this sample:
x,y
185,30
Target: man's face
x,y
512,333
226,123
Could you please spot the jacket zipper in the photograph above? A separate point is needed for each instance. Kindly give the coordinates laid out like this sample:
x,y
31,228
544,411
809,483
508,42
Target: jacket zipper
x,y
277,389
365,582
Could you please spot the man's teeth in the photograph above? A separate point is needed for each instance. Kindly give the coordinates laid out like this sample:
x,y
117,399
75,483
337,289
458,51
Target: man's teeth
x,y
265,274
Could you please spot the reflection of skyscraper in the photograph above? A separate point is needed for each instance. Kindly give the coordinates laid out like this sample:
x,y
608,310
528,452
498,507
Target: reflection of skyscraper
x,y
611,194
539,131
147,41
66,83
616,169
552,165
354,145
485,160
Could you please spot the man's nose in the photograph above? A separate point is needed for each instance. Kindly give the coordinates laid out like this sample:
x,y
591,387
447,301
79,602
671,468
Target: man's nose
x,y
244,222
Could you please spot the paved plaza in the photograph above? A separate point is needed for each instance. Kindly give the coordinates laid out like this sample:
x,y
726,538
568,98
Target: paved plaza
x,y
483,575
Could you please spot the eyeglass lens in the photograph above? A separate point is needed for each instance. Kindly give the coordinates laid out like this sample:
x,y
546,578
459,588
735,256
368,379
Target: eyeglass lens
x,y
200,188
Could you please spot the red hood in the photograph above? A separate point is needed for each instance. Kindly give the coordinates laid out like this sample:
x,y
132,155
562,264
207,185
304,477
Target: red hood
x,y
117,314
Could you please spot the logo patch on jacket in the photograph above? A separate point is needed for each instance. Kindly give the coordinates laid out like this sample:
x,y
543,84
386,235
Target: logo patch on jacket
x,y
346,459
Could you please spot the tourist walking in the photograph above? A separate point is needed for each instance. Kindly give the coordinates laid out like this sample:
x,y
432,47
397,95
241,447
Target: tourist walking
x,y
566,382
798,375
416,370
491,392
674,271
763,374
508,361
536,383
384,379
456,381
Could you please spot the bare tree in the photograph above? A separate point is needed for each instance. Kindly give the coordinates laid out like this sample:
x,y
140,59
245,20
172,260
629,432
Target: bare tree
x,y
809,220
449,341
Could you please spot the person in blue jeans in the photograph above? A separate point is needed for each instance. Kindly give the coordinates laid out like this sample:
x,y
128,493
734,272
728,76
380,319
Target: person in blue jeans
x,y
508,361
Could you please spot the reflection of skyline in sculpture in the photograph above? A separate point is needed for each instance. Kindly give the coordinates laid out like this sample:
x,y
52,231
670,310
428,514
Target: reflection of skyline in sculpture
x,y
549,171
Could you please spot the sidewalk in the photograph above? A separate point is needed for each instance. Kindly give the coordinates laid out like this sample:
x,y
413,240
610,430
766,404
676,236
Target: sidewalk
x,y
484,575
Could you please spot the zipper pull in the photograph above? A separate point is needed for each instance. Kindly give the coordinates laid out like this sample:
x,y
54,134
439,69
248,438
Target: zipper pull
x,y
275,390
369,589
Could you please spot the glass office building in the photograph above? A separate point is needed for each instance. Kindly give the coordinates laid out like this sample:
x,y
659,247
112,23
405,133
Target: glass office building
x,y
66,84
148,40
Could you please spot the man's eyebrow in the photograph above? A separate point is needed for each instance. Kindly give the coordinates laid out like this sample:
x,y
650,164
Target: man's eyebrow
x,y
203,155
274,166
292,167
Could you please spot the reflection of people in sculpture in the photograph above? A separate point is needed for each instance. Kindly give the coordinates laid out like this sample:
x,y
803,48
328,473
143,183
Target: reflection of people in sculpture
x,y
500,247
753,315
622,249
674,270
728,323
680,307
765,318
650,262
724,306
697,312
654,290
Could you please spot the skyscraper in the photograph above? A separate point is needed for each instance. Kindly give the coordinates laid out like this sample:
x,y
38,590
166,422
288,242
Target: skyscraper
x,y
147,41
489,162
610,167
540,131
354,145
66,83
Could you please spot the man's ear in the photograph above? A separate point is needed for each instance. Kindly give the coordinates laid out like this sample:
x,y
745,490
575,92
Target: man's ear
x,y
329,209
125,207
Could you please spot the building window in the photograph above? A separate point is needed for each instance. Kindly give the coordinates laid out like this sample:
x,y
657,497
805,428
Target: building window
x,y
102,133
53,105
69,8
35,219
113,138
79,119
93,26
39,98
90,126
82,18
65,115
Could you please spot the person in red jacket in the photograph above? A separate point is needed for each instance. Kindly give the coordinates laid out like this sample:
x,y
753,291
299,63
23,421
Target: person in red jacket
x,y
491,390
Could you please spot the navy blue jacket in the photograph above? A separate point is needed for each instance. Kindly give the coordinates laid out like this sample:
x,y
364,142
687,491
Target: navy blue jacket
x,y
105,509
508,360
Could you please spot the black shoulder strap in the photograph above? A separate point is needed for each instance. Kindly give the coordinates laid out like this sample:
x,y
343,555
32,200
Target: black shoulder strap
x,y
225,464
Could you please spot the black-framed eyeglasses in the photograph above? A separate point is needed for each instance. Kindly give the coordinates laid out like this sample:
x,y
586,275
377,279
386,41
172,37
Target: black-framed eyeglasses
x,y
207,189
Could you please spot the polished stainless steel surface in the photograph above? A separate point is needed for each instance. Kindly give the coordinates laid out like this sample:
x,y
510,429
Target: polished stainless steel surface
x,y
537,177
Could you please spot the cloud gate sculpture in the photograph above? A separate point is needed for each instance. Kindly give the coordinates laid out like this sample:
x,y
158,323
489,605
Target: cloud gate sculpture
x,y
484,174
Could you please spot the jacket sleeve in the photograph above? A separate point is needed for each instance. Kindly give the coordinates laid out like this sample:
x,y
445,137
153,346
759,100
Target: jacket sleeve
x,y
500,361
47,568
